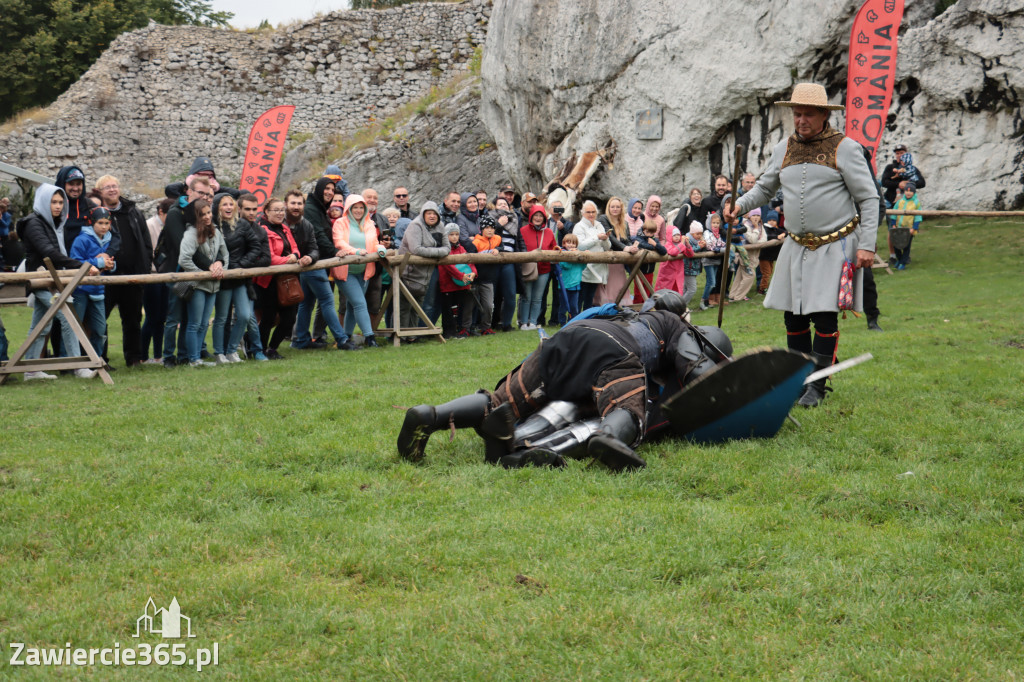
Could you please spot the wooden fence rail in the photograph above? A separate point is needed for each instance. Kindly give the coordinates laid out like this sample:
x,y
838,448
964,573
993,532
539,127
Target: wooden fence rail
x,y
39,279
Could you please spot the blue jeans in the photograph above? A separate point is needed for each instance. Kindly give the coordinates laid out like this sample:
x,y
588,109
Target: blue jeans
x,y
93,315
316,288
177,309
356,312
199,308
710,279
3,342
239,296
431,302
252,334
574,306
41,305
532,293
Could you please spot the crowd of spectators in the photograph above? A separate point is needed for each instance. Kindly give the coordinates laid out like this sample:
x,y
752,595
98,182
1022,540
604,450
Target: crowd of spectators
x,y
202,226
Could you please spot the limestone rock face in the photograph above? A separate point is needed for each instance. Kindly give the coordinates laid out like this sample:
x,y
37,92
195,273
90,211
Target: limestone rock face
x,y
444,148
552,87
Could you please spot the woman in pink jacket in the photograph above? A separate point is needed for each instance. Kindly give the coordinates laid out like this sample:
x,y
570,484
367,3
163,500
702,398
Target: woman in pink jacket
x,y
671,274
355,234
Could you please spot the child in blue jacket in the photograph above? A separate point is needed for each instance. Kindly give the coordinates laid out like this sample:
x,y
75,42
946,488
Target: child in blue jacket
x,y
91,247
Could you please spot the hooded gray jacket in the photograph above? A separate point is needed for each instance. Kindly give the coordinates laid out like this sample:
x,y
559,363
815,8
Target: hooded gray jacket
x,y
43,237
421,240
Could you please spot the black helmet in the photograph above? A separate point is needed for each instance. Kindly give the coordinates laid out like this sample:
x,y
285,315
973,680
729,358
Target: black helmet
x,y
665,299
717,337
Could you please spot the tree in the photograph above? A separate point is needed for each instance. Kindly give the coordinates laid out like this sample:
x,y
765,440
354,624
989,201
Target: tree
x,y
49,44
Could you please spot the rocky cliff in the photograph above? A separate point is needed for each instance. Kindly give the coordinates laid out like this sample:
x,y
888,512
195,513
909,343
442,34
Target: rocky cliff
x,y
552,87
441,148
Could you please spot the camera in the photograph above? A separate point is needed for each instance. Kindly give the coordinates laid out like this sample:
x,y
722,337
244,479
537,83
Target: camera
x,y
558,210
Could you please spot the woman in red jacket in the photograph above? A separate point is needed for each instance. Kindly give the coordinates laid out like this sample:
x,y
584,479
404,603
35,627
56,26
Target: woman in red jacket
x,y
534,236
283,251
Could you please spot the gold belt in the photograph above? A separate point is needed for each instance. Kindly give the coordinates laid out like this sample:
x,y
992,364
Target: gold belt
x,y
813,241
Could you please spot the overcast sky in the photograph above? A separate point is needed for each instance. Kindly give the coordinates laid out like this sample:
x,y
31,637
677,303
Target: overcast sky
x,y
249,13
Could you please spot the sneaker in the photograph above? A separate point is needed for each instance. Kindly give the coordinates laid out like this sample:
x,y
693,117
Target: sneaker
x,y
475,331
272,354
201,363
221,359
84,373
704,305
901,266
462,335
232,358
370,342
33,376
487,332
258,356
170,363
153,361
348,345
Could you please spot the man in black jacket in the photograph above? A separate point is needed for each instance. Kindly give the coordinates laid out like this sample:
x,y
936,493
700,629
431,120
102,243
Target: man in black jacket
x,y
202,167
178,217
315,284
134,257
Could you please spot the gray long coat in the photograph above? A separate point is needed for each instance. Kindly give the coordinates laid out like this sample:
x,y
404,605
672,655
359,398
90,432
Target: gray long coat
x,y
818,199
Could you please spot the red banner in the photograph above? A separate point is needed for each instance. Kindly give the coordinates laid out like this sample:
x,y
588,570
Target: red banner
x,y
263,153
872,71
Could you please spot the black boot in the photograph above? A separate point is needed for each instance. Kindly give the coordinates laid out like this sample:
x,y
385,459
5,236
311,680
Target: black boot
x,y
873,324
814,392
423,420
496,429
610,445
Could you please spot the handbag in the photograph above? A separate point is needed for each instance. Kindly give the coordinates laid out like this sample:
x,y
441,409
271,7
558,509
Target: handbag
x,y
183,290
289,290
900,237
529,271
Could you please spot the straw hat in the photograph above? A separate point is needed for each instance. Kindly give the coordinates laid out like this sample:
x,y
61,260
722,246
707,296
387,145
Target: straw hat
x,y
810,95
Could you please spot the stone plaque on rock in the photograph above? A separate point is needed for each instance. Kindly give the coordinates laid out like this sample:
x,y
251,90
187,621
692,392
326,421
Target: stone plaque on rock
x,y
648,124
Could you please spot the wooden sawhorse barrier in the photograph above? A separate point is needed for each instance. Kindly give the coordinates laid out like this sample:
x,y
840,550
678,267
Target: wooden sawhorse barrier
x,y
19,365
393,297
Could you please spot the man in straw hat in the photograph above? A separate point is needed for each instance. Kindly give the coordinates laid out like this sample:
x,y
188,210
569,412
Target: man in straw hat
x,y
831,216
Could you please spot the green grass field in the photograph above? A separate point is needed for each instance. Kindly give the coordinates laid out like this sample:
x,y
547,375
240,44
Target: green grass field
x,y
880,540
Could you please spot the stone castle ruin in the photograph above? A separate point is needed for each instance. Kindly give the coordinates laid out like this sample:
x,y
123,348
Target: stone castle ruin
x,y
160,96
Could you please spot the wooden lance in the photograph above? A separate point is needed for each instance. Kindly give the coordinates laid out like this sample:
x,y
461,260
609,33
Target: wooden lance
x,y
724,278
